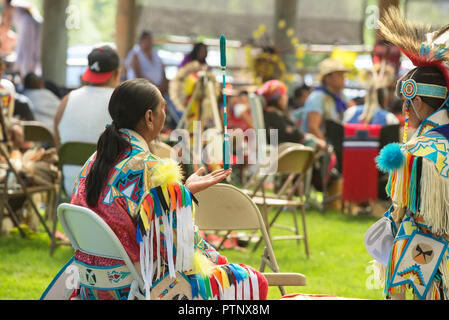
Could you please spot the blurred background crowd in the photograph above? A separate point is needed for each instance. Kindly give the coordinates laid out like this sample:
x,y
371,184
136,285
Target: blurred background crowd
x,y
310,69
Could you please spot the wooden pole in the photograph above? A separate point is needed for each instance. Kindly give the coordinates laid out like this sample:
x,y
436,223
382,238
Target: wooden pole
x,y
125,26
285,10
54,41
383,6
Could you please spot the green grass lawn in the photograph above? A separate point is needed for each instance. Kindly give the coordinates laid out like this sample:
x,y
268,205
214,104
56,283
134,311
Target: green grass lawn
x,y
338,263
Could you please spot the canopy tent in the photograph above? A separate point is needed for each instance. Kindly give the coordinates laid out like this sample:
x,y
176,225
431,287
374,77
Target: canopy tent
x,y
318,21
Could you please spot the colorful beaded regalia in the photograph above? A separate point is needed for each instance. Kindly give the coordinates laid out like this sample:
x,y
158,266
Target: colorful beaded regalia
x,y
152,213
410,243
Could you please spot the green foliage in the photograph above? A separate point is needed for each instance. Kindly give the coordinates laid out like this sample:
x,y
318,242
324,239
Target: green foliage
x,y
96,22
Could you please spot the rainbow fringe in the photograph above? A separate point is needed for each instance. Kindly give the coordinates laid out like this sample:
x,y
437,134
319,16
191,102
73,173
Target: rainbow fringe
x,y
226,282
165,218
396,252
404,185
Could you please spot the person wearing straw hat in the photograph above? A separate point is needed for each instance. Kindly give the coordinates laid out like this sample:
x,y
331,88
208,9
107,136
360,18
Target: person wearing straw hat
x,y
326,101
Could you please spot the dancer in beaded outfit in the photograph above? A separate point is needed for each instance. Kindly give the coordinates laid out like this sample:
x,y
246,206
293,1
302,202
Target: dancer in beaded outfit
x,y
410,242
143,200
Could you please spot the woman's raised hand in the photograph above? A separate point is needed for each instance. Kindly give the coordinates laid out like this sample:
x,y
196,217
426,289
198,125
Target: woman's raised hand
x,y
197,182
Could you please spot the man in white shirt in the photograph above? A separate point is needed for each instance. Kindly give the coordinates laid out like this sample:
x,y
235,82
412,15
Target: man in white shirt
x,y
143,61
83,113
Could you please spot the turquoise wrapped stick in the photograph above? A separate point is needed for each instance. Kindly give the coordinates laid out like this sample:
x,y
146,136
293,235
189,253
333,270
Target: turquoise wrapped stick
x,y
226,142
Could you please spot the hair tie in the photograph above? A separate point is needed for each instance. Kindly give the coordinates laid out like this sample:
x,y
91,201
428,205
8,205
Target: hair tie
x,y
114,126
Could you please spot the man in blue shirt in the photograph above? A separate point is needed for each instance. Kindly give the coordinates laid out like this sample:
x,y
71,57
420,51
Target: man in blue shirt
x,y
326,101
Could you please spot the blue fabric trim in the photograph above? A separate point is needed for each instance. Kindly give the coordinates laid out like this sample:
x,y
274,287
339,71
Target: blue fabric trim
x,y
443,130
99,267
194,286
341,106
105,289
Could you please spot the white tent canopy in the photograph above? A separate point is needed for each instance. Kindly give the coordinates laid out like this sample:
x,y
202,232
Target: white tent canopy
x,y
319,21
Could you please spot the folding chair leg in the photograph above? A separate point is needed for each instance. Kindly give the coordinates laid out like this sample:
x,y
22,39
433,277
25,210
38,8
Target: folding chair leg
x,y
54,218
267,226
273,267
306,241
220,246
295,221
14,219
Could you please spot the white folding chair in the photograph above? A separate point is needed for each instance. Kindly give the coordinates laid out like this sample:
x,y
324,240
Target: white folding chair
x,y
89,233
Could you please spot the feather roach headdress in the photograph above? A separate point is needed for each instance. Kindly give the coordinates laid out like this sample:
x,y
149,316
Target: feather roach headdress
x,y
424,49
416,41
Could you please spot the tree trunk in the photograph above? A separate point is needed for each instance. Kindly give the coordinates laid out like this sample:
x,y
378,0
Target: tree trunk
x,y
383,6
54,41
125,26
285,10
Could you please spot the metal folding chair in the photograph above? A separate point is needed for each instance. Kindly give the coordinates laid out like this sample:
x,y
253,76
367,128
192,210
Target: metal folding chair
x,y
293,161
35,131
224,207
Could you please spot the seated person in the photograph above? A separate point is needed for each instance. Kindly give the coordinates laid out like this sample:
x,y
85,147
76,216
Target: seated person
x,y
374,115
83,113
328,101
296,105
23,108
276,117
44,102
198,53
240,112
126,185
377,99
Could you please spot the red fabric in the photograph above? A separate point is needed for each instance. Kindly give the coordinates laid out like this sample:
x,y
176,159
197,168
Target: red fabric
x,y
117,217
272,89
214,286
236,123
222,260
360,174
263,283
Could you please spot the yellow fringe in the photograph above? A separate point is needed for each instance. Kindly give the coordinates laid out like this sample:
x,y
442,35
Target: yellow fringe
x,y
202,264
400,182
166,172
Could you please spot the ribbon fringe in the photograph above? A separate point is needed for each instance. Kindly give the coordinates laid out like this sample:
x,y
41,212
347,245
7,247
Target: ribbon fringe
x,y
414,187
226,282
434,198
165,213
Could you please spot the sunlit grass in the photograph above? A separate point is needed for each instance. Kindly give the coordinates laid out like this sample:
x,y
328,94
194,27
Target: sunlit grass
x,y
338,261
